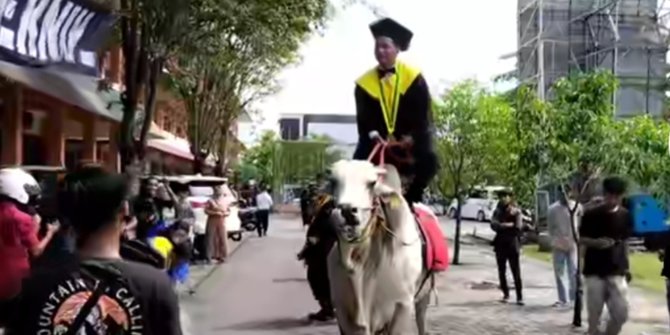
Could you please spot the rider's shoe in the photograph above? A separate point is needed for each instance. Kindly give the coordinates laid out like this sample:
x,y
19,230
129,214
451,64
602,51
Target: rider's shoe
x,y
322,315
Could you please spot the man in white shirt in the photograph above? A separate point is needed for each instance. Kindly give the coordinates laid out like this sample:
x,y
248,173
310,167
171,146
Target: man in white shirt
x,y
564,247
264,204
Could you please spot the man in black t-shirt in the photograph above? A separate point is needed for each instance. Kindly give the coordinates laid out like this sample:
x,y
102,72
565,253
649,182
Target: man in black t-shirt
x,y
507,224
604,232
97,292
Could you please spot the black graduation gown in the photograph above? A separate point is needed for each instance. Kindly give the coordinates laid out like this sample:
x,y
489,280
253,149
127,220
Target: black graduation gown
x,y
413,118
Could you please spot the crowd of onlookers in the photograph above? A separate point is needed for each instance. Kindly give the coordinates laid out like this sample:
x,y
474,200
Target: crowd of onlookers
x,y
73,275
601,226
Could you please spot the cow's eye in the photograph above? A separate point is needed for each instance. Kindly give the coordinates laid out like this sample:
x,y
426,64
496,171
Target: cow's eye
x,y
371,184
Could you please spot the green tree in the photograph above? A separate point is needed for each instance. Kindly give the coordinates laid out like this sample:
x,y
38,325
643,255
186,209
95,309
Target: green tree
x,y
242,47
581,122
531,131
261,156
639,151
151,32
472,127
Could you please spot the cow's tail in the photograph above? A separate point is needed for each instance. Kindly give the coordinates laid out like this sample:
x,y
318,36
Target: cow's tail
x,y
433,290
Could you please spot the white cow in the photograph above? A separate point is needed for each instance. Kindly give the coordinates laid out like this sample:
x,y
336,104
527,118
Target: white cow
x,y
377,275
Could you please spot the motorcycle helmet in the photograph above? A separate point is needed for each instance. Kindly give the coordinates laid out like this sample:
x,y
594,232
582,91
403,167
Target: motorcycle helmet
x,y
20,186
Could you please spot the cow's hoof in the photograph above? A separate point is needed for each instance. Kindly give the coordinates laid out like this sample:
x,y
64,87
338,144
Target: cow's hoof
x,y
322,316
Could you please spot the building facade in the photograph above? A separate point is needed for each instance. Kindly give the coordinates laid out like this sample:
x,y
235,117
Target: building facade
x,y
341,129
627,37
59,119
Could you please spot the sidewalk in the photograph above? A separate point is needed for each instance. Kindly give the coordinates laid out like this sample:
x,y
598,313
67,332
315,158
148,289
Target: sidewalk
x,y
200,273
469,294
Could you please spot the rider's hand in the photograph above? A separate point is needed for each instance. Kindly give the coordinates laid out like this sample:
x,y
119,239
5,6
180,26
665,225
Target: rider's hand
x,y
407,140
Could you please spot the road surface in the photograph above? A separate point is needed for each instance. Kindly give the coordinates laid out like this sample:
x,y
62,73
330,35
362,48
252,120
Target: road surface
x,y
261,290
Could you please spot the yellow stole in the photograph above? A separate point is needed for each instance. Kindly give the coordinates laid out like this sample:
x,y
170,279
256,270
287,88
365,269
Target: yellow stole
x,y
389,90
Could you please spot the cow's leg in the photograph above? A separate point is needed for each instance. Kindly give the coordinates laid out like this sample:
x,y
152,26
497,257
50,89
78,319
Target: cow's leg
x,y
421,307
345,289
401,324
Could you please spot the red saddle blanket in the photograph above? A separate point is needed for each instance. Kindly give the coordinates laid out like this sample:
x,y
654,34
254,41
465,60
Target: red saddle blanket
x,y
436,250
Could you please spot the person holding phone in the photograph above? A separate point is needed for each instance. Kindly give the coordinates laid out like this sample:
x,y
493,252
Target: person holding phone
x,y
507,224
19,227
603,233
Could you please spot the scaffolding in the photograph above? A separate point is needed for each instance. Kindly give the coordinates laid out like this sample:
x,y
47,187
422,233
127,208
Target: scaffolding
x,y
628,37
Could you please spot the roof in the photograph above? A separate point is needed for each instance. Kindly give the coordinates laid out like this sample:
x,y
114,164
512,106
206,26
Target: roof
x,y
78,90
37,168
192,179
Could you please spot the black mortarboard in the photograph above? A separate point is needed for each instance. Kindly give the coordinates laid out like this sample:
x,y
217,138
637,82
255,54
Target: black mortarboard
x,y
388,27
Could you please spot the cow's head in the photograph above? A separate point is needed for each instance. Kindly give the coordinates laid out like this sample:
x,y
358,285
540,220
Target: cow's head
x,y
357,189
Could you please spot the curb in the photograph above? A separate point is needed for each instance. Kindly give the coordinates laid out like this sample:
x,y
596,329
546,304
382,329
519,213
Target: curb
x,y
480,238
212,269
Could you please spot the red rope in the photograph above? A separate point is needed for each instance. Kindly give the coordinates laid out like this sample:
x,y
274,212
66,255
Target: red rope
x,y
380,148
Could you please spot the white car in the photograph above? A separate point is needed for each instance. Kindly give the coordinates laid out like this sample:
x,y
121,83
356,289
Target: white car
x,y
200,191
479,205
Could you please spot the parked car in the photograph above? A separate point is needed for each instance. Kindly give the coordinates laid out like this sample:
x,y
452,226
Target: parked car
x,y
200,191
479,205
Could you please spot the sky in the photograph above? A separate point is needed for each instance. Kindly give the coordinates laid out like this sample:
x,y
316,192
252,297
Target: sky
x,y
454,40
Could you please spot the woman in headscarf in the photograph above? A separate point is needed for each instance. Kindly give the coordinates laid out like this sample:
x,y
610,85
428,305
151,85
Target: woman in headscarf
x,y
217,210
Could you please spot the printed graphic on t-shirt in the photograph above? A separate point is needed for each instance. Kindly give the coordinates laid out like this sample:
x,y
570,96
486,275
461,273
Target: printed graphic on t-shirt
x,y
117,310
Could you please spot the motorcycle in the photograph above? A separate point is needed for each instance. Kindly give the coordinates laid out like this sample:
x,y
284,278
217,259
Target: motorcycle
x,y
247,215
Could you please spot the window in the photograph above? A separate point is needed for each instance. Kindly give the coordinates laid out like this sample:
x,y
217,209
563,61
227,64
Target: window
x,y
478,194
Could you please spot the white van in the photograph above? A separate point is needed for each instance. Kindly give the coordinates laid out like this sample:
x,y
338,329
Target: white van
x,y
479,205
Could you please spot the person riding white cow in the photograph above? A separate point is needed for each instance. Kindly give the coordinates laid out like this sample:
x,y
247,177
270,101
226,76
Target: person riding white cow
x,y
379,277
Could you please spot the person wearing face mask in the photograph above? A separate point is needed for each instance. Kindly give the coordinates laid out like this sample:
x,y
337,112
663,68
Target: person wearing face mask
x,y
393,100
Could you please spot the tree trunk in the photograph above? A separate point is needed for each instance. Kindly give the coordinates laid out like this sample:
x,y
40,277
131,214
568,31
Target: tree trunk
x,y
457,238
218,168
130,39
199,161
155,68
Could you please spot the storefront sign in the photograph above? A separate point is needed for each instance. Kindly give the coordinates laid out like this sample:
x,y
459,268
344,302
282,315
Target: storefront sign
x,y
64,33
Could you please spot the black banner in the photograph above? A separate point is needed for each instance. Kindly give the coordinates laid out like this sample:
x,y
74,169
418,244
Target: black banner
x,y
63,33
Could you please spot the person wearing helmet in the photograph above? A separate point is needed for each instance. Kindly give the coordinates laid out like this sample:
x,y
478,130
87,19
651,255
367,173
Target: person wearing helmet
x,y
19,225
96,291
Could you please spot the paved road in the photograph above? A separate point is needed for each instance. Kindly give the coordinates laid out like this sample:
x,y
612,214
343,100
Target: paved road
x,y
262,291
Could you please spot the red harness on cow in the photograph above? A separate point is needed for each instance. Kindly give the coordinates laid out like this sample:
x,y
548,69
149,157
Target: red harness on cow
x,y
435,247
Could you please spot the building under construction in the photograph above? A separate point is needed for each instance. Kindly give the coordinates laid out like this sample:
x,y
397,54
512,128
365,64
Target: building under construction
x,y
628,37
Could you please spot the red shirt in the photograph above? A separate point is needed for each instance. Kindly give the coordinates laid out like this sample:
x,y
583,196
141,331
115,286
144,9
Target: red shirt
x,y
18,234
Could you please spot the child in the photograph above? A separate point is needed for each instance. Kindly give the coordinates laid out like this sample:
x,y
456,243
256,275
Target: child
x,y
179,270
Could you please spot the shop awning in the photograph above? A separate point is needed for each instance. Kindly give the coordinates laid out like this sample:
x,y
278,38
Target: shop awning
x,y
178,148
75,89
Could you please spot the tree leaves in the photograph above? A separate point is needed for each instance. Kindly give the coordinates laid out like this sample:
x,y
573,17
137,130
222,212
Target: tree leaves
x,y
518,140
472,126
231,56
